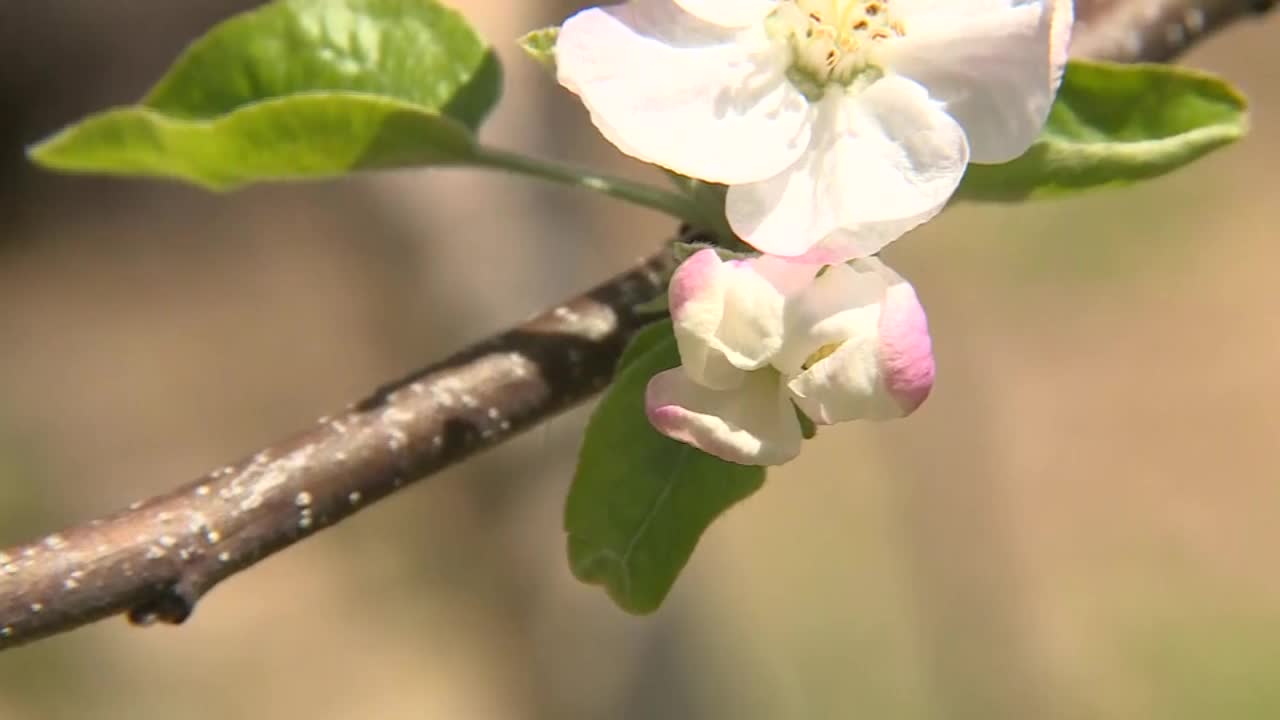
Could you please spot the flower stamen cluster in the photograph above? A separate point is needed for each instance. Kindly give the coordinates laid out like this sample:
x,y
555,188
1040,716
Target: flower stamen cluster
x,y
831,41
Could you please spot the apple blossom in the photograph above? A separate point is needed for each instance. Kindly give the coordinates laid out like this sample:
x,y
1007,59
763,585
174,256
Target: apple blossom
x,y
762,337
839,125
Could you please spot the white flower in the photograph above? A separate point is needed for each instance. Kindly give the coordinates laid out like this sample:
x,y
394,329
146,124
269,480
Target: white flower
x,y
759,338
839,125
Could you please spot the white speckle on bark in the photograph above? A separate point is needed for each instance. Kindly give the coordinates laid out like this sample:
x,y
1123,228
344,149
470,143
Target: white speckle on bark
x,y
395,415
593,325
202,491
213,537
168,541
303,499
54,541
70,583
566,314
5,631
275,475
36,607
1133,44
155,552
354,497
396,439
1193,19
224,556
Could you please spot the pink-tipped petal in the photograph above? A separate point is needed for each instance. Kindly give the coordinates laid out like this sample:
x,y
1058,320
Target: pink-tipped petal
x,y
857,346
696,278
906,351
696,297
727,316
750,425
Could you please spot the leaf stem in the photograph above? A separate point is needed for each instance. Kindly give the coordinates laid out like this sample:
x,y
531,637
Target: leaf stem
x,y
677,205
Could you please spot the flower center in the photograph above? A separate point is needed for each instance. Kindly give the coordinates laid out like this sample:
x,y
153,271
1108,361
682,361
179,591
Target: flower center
x,y
831,40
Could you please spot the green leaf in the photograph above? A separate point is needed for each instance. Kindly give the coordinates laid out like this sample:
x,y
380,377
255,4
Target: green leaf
x,y
300,89
1114,125
639,500
541,46
655,335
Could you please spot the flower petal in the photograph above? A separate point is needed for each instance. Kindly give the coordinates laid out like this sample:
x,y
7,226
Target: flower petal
x,y
996,64
881,162
669,88
844,302
729,13
906,350
754,424
858,346
728,316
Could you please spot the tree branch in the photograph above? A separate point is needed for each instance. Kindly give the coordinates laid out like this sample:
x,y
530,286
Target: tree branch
x,y
154,560
1153,30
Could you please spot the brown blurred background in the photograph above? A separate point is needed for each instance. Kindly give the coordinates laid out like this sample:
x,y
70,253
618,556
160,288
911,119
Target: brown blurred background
x,y
1081,523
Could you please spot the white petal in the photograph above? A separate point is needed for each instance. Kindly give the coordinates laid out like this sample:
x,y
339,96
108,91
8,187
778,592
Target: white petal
x,y
699,99
728,316
845,386
997,65
881,162
843,303
729,13
754,424
858,346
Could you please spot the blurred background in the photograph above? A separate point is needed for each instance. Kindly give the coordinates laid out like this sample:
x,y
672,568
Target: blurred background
x,y
1080,523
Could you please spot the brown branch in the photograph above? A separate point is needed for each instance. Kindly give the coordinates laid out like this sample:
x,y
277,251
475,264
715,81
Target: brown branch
x,y
154,560
1153,30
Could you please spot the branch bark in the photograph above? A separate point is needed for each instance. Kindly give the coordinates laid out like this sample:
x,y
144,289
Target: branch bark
x,y
1153,30
154,560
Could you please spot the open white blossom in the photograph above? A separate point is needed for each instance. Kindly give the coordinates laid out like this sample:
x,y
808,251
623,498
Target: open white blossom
x,y
839,125
764,337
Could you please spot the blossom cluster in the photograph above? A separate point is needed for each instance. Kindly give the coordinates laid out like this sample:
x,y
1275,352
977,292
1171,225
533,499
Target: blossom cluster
x,y
838,126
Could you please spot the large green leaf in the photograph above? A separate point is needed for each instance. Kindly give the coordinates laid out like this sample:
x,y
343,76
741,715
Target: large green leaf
x,y
300,89
1114,125
639,500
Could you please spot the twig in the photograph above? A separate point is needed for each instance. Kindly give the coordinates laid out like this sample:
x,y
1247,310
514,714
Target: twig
x,y
154,560
1153,30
